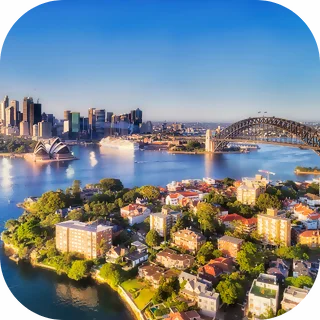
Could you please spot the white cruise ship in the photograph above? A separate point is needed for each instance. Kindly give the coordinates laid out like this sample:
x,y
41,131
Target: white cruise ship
x,y
118,143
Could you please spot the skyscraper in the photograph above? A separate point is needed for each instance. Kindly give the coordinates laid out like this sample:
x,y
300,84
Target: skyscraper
x,y
15,105
3,106
45,129
109,116
10,113
66,115
100,122
138,116
31,112
75,124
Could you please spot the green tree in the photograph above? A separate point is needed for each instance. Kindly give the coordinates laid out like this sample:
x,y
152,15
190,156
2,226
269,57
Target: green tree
x,y
228,181
231,288
78,270
28,231
111,184
281,312
50,202
291,184
313,188
207,213
152,238
11,224
76,214
295,252
112,273
251,259
149,192
299,282
131,196
179,225
207,252
266,201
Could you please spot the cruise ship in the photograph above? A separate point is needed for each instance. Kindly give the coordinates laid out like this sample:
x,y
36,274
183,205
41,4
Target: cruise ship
x,y
118,143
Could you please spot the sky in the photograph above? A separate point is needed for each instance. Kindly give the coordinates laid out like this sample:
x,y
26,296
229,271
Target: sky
x,y
177,60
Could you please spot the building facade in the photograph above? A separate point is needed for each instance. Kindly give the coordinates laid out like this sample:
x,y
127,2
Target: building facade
x,y
188,240
230,246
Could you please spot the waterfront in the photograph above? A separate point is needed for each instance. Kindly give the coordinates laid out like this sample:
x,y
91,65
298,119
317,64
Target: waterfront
x,y
57,297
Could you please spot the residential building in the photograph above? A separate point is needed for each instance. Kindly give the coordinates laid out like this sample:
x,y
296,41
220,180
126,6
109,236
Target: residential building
x,y
188,240
115,253
200,292
175,198
310,238
248,194
311,199
301,211
154,274
135,213
171,259
301,268
187,315
163,221
138,256
279,268
215,268
263,295
230,246
292,296
174,186
241,224
84,238
273,229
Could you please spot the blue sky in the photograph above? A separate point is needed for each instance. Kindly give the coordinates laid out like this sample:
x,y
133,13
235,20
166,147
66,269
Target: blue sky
x,y
179,60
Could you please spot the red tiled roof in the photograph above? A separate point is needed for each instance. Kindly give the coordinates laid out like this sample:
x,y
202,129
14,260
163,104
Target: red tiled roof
x,y
310,233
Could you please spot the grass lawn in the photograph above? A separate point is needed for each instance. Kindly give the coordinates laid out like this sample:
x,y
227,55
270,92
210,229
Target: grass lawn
x,y
143,294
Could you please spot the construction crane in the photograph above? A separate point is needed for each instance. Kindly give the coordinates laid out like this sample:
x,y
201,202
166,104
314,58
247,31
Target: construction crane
x,y
267,173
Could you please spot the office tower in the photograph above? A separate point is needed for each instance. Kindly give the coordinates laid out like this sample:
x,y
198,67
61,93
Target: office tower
x,y
75,124
274,229
3,106
31,112
138,116
15,105
45,129
37,112
109,116
133,116
24,128
66,126
66,115
100,122
92,118
44,117
84,238
35,130
50,118
27,102
84,124
9,116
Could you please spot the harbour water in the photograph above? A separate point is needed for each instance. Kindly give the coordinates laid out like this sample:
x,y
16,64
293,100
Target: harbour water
x,y
56,296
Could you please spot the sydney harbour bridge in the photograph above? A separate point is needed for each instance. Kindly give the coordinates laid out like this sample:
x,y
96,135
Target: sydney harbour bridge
x,y
260,129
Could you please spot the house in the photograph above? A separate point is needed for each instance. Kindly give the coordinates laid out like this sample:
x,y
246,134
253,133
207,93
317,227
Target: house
x,y
301,268
139,255
154,274
301,212
215,268
171,259
292,296
230,246
196,290
310,238
175,186
135,213
279,268
263,295
310,199
175,198
142,201
188,240
115,253
187,315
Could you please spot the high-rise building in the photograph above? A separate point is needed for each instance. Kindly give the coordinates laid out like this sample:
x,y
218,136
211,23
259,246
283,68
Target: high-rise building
x,y
10,113
27,102
138,116
109,116
92,118
274,229
15,105
100,115
37,113
84,238
75,124
66,115
50,118
24,128
31,112
35,130
3,106
132,116
45,129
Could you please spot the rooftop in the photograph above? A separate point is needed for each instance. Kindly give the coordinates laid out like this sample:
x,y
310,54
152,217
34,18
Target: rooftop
x,y
90,227
231,239
262,292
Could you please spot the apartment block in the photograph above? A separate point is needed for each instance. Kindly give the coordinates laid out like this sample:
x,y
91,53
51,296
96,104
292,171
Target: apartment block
x,y
171,259
135,213
274,229
310,238
263,295
292,296
83,238
163,221
189,240
230,246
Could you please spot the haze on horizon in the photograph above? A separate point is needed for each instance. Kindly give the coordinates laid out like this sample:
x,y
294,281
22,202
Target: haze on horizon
x,y
176,60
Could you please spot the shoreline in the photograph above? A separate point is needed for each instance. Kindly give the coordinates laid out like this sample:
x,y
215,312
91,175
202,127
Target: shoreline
x,y
96,278
12,155
204,152
307,172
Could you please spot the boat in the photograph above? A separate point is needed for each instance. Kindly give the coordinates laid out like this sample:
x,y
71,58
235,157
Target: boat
x,y
119,143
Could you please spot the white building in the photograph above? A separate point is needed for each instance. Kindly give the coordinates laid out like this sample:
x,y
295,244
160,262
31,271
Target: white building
x,y
310,199
135,213
292,296
175,198
263,295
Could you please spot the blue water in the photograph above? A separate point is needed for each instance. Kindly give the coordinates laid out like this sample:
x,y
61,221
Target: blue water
x,y
57,297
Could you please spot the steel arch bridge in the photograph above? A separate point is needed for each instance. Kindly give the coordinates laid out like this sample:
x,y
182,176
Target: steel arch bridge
x,y
244,131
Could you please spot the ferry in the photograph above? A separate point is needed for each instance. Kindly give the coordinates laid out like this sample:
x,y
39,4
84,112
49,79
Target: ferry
x,y
118,143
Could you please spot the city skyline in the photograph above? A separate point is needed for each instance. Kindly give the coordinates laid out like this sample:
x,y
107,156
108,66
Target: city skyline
x,y
196,58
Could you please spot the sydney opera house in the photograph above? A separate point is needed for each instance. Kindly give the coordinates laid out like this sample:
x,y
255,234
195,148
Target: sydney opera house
x,y
53,150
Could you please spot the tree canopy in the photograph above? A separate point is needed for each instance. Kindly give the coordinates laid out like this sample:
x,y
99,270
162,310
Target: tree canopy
x,y
78,270
266,201
299,282
207,252
111,184
207,213
149,192
152,238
